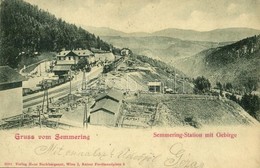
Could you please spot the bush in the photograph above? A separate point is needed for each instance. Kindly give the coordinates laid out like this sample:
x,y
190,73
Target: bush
x,y
201,85
251,103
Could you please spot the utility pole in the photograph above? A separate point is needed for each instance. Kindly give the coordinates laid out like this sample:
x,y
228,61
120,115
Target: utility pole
x,y
70,81
172,84
84,86
40,69
70,95
40,122
183,84
174,81
127,80
45,66
85,117
45,97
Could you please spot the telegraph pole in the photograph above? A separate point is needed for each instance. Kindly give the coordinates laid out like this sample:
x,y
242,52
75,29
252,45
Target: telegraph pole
x,y
183,84
70,95
45,96
127,80
85,117
40,69
174,81
45,66
84,86
70,81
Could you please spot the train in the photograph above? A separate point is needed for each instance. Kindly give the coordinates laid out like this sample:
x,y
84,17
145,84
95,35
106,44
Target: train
x,y
112,65
46,84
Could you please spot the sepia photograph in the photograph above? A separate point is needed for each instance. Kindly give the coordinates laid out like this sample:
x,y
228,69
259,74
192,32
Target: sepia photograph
x,y
128,83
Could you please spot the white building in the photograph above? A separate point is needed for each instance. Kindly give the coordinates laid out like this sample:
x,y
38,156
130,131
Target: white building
x,y
11,103
155,87
105,57
71,57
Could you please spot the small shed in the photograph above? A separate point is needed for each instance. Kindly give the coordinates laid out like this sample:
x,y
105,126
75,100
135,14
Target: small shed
x,y
105,112
155,87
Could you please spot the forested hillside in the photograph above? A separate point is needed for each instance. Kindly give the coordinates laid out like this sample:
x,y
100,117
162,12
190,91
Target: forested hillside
x,y
247,48
25,29
237,63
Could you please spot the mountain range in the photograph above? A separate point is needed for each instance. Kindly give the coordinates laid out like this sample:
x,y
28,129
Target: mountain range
x,y
217,35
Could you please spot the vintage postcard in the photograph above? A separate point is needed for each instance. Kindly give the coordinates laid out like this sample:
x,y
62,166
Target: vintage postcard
x,y
129,83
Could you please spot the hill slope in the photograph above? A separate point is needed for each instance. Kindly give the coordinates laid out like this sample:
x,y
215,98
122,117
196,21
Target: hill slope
x,y
26,29
189,110
237,63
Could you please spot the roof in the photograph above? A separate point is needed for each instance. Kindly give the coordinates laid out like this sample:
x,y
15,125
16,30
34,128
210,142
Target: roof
x,y
95,50
107,104
65,62
82,52
63,53
61,68
75,52
9,75
154,83
112,94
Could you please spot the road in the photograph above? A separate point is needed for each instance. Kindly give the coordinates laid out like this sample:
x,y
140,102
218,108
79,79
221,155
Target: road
x,y
61,90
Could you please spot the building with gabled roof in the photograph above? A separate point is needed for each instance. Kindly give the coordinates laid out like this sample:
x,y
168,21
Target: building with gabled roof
x,y
105,57
67,58
108,105
71,57
106,109
11,92
113,94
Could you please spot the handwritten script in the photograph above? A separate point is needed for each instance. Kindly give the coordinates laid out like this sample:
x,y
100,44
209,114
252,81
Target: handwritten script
x,y
175,157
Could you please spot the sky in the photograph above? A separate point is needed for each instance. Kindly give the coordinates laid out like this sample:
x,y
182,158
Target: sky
x,y
153,15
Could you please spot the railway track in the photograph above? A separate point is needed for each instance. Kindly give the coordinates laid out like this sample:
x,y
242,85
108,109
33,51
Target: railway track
x,y
59,91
